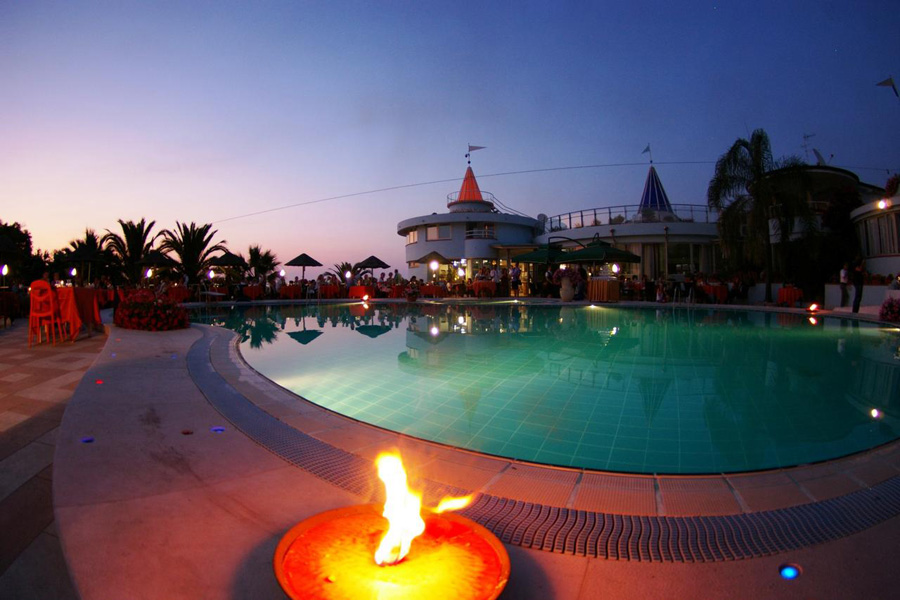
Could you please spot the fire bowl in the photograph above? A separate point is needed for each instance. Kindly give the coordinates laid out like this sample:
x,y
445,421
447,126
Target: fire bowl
x,y
331,556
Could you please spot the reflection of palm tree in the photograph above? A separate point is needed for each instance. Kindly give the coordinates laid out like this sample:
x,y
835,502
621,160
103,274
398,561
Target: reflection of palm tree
x,y
653,391
192,246
129,248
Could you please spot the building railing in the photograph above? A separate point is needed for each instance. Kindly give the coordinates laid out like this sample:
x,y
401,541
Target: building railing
x,y
480,234
616,215
486,196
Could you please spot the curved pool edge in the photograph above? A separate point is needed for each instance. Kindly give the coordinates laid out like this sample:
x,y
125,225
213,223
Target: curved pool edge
x,y
665,518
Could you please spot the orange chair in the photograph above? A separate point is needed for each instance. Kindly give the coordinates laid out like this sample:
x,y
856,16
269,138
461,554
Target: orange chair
x,y
44,312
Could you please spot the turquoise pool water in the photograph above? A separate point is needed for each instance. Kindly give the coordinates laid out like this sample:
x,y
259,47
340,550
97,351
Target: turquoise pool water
x,y
620,389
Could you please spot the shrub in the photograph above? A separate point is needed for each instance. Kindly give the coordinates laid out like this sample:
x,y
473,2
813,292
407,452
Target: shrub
x,y
890,310
144,310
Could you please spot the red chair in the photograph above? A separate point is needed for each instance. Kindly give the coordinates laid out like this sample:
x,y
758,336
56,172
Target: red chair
x,y
44,312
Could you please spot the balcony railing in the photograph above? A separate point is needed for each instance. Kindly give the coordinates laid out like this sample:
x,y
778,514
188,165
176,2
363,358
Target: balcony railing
x,y
616,215
480,234
486,196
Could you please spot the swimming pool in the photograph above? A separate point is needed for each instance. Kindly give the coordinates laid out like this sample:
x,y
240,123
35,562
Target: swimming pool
x,y
621,389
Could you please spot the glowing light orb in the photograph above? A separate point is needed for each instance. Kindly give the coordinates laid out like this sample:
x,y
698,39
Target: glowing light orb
x,y
882,204
5,270
789,571
615,268
434,265
813,307
73,272
149,273
435,331
875,413
211,274
281,273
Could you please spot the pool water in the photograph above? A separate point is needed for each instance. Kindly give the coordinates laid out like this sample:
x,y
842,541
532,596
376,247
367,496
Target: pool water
x,y
620,389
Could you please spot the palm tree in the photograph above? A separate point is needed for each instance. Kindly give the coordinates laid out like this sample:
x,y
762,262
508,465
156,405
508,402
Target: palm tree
x,y
131,247
743,192
191,244
340,271
263,264
88,251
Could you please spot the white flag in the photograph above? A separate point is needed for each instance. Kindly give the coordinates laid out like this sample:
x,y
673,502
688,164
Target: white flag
x,y
474,148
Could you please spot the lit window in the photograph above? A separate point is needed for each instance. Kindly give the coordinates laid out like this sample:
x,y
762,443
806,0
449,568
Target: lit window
x,y
412,237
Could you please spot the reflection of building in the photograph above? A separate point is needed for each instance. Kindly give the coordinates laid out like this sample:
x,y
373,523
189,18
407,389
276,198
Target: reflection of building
x,y
668,237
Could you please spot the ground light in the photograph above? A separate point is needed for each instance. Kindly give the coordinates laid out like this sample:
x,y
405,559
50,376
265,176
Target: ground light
x,y
875,413
789,571
813,307
149,273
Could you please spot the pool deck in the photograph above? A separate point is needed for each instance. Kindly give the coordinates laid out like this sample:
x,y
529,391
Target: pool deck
x,y
159,505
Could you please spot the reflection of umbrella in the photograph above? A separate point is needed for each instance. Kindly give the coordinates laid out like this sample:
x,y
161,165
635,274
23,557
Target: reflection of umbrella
x,y
373,262
305,337
304,260
373,331
155,258
227,260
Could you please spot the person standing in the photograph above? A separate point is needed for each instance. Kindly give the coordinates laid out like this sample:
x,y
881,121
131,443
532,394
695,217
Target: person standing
x,y
858,276
844,281
515,275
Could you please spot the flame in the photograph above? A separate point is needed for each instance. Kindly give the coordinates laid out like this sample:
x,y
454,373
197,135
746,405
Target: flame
x,y
403,510
453,504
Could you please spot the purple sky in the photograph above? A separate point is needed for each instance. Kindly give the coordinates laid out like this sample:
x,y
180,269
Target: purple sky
x,y
206,111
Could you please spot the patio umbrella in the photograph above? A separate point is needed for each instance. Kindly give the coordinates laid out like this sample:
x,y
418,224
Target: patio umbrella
x,y
373,331
304,260
373,262
544,255
601,253
227,260
432,256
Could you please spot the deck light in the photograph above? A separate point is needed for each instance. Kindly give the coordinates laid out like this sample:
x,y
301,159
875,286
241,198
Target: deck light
x,y
5,270
875,413
883,204
461,320
615,268
813,307
281,273
348,274
149,273
789,571
73,272
365,298
461,272
211,274
434,331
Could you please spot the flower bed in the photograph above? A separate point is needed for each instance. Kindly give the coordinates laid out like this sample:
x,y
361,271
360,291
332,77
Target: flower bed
x,y
143,310
890,310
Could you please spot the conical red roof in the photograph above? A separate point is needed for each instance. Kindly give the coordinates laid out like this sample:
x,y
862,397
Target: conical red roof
x,y
469,191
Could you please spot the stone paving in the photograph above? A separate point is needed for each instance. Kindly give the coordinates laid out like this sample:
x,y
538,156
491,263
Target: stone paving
x,y
36,383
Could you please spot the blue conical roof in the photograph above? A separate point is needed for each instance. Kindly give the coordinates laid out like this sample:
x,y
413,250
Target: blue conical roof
x,y
654,197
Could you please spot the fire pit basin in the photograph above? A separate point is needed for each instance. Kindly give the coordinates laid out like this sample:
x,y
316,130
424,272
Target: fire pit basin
x,y
330,556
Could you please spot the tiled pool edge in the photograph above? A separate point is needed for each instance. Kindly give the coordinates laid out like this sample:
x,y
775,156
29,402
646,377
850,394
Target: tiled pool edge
x,y
568,529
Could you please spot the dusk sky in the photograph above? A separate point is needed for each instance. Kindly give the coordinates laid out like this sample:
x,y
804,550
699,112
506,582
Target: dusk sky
x,y
210,111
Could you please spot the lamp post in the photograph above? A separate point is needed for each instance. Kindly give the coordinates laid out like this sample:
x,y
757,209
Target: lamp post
x,y
434,265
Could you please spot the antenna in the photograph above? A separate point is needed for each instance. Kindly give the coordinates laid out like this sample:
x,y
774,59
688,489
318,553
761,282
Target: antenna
x,y
805,144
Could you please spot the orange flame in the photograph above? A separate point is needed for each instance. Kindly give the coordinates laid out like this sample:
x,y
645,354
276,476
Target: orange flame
x,y
403,510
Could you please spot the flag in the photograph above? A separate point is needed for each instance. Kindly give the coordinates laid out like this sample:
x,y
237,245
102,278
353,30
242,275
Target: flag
x,y
889,82
474,148
646,150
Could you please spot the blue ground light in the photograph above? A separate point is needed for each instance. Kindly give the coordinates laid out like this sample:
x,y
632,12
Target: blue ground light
x,y
789,571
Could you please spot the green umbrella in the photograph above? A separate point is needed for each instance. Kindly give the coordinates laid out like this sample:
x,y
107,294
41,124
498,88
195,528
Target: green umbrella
x,y
543,255
599,251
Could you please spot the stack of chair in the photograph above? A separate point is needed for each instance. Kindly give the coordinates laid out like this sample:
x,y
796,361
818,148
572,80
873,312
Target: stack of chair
x,y
44,312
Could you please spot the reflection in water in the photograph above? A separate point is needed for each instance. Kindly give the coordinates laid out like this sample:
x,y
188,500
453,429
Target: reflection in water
x,y
639,390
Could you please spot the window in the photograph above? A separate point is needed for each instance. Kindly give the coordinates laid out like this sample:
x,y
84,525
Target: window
x,y
412,237
437,232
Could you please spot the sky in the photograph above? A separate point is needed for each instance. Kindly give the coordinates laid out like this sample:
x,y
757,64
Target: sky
x,y
317,127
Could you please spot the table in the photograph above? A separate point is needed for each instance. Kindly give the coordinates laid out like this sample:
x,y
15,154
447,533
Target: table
x,y
603,290
435,291
79,307
253,291
329,291
358,291
292,292
716,292
789,295
481,287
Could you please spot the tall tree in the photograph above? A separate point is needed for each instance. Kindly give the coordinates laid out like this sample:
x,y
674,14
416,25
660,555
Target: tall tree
x,y
131,247
192,245
262,263
88,255
743,193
